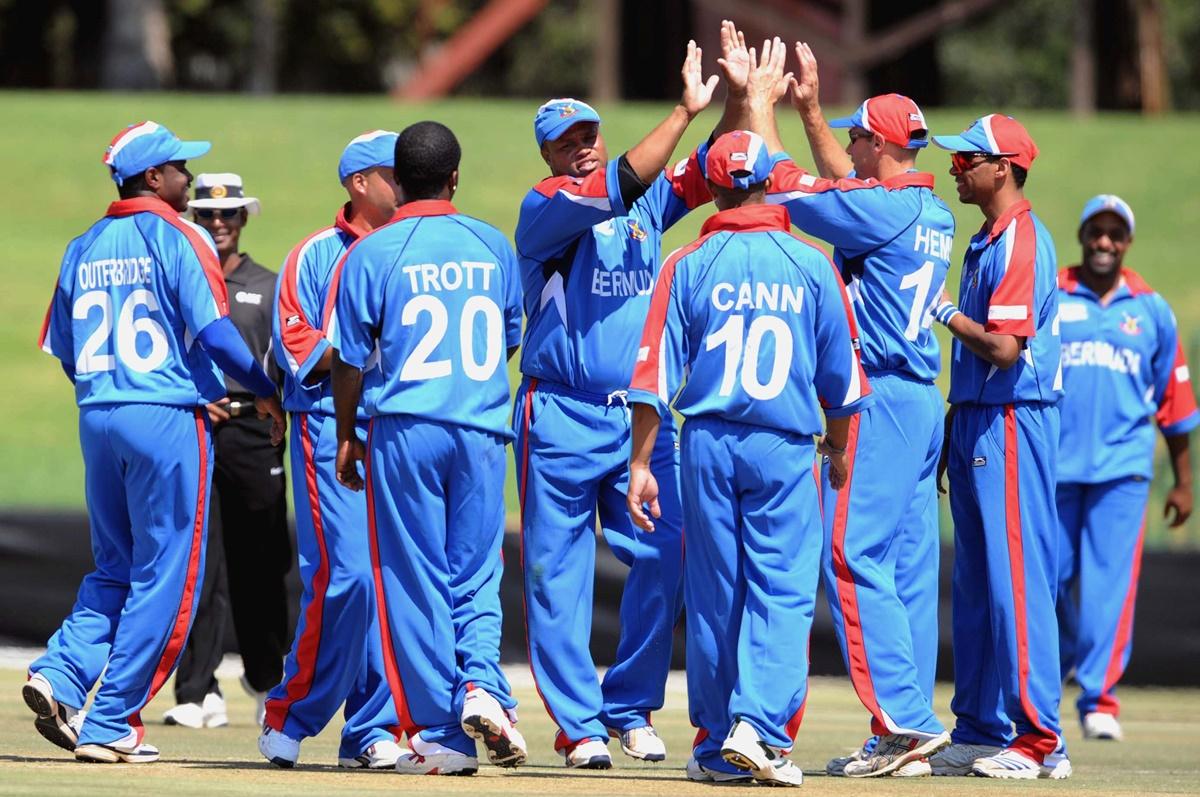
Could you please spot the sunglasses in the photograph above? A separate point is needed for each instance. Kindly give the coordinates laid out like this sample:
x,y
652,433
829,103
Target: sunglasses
x,y
211,213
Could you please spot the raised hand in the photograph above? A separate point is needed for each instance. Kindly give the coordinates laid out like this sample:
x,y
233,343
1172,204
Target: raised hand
x,y
735,58
767,81
697,92
805,86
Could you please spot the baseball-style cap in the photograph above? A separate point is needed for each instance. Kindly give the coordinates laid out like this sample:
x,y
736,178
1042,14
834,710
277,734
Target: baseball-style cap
x,y
1107,203
222,190
140,146
994,134
557,116
893,116
376,148
738,160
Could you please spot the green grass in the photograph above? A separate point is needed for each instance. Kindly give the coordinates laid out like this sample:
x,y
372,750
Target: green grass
x,y
1157,757
286,148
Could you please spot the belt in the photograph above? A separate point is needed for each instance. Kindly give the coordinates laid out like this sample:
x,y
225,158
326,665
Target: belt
x,y
241,409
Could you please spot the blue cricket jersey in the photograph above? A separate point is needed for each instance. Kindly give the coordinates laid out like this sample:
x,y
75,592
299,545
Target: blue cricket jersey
x,y
133,293
304,297
439,295
1123,371
1008,285
891,241
588,266
755,324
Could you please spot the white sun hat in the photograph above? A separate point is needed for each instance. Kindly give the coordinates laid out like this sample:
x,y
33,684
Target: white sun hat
x,y
223,190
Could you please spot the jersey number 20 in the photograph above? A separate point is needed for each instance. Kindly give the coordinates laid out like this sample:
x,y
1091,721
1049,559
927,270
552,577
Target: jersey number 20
x,y
418,367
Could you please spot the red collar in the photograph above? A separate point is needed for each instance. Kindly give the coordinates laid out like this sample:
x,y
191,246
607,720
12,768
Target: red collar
x,y
909,180
748,218
1007,216
1068,280
425,207
141,204
343,223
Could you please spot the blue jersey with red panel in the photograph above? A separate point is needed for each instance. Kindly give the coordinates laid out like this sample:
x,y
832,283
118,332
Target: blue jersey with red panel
x,y
304,296
133,293
755,324
1123,370
588,266
892,242
1008,284
438,294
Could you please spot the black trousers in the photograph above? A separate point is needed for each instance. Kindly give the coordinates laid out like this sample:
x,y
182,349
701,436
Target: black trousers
x,y
248,556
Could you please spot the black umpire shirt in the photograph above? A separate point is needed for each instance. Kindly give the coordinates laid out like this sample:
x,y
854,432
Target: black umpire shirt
x,y
251,293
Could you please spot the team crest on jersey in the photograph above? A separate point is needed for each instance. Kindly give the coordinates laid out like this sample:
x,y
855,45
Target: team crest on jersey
x,y
1132,325
635,230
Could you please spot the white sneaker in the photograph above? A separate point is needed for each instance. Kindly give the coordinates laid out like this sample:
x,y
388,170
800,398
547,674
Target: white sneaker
x,y
1056,766
642,743
1007,764
214,711
914,769
745,749
56,722
957,759
1097,725
210,714
590,754
702,774
277,747
837,766
429,758
115,754
484,719
383,754
893,752
260,702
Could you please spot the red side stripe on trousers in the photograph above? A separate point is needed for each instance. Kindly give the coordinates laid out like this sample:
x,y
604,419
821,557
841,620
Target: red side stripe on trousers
x,y
183,614
526,417
1045,741
847,595
391,668
308,647
1108,703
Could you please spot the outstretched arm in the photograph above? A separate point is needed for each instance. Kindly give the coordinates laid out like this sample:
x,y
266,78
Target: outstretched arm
x,y
649,157
831,160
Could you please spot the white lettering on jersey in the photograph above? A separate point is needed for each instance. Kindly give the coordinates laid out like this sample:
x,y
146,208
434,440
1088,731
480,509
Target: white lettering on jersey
x,y
933,243
114,271
760,296
622,283
1101,354
1072,311
430,277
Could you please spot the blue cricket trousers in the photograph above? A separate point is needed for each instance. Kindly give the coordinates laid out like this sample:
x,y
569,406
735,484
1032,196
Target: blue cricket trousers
x,y
337,652
435,509
572,455
880,561
148,468
1006,668
1100,550
753,519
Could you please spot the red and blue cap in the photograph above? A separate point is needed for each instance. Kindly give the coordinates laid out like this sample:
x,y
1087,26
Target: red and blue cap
x,y
371,149
1107,203
145,144
738,160
557,116
893,116
994,134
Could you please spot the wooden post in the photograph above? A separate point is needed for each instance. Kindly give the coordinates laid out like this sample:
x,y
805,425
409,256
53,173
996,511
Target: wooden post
x,y
1083,59
1151,63
854,33
606,52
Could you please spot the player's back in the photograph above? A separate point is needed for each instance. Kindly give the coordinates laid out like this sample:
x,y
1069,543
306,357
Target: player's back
x,y
133,293
440,294
764,326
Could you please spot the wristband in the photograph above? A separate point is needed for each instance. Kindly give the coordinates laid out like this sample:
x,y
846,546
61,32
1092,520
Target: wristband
x,y
945,311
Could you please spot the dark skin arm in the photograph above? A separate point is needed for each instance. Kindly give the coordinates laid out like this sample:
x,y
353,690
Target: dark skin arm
x,y
1001,351
1180,497
944,460
321,369
347,390
643,487
837,432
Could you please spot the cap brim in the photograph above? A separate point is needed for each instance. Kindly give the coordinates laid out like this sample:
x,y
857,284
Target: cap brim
x,y
566,124
191,149
843,122
955,144
248,202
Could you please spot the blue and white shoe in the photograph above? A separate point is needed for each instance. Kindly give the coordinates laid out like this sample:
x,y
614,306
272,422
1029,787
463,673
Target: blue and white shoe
x,y
837,766
1009,764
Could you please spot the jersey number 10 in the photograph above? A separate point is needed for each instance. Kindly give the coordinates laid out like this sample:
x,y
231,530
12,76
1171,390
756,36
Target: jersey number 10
x,y
737,341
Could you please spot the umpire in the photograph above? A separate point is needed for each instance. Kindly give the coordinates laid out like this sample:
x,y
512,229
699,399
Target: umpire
x,y
249,550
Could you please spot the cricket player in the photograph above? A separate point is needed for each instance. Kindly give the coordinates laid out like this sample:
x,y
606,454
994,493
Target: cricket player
x,y
337,652
754,324
892,237
588,239
139,320
1123,373
436,297
1002,443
